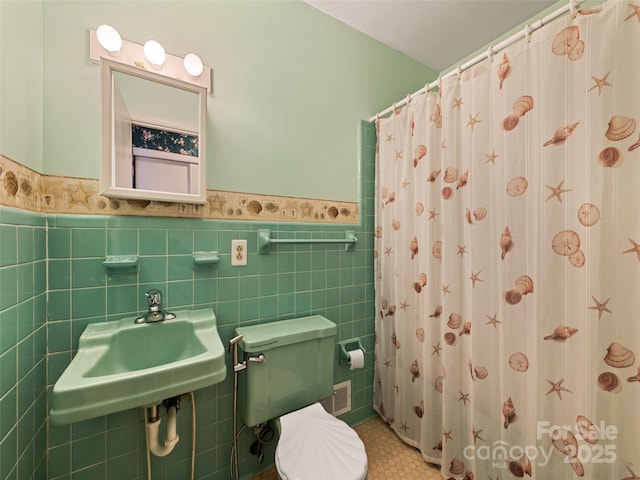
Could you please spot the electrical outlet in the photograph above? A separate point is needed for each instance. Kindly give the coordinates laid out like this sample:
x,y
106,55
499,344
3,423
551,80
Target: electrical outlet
x,y
238,253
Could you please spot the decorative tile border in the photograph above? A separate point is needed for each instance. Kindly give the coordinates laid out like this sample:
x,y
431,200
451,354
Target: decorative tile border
x,y
20,186
24,188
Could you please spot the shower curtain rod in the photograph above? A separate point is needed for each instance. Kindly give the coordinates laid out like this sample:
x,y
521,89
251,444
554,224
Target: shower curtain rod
x,y
572,7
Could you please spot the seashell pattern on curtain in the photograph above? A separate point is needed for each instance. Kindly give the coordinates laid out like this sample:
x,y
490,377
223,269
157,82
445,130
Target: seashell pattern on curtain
x,y
507,243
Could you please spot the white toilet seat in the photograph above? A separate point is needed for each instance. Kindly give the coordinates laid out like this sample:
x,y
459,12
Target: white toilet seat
x,y
315,445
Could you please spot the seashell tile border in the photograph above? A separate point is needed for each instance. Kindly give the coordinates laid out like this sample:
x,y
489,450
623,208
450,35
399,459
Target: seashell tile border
x,y
24,188
20,186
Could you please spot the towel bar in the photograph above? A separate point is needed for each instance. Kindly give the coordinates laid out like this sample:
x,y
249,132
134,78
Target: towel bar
x,y
265,241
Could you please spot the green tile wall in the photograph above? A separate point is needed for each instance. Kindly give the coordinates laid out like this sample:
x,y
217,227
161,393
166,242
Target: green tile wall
x,y
291,281
22,345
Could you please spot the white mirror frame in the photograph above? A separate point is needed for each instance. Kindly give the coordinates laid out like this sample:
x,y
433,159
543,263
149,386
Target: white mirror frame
x,y
108,166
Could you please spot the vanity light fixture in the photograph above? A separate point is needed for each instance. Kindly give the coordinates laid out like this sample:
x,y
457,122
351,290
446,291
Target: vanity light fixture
x,y
109,38
106,42
193,65
155,53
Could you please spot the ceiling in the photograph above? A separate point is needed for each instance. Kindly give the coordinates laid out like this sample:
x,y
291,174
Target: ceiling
x,y
436,33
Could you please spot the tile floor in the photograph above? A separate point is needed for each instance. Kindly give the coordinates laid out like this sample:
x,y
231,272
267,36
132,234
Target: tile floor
x,y
389,457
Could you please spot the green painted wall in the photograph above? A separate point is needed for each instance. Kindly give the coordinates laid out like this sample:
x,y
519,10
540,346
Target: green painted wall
x,y
290,85
21,82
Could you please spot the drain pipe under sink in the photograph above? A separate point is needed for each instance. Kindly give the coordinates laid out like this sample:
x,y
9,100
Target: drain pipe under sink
x,y
153,427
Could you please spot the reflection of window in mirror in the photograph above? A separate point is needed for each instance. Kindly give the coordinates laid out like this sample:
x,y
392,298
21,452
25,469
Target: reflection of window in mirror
x,y
163,159
154,149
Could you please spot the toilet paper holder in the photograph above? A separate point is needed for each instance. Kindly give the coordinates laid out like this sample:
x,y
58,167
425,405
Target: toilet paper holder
x,y
345,346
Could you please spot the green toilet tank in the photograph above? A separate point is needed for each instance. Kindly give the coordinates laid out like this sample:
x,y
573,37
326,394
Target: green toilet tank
x,y
297,369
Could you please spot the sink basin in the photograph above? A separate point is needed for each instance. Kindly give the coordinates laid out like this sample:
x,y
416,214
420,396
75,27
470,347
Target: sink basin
x,y
122,365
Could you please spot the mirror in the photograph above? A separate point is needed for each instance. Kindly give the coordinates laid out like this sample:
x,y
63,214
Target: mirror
x,y
153,136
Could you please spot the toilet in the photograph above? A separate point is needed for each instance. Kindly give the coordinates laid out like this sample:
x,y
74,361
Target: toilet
x,y
289,370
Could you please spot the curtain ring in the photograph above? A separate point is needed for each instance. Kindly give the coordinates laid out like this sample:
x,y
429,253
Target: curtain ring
x,y
527,32
490,54
427,88
459,71
408,100
573,8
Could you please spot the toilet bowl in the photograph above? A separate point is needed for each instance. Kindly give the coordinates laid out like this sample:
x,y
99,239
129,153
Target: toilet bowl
x,y
315,445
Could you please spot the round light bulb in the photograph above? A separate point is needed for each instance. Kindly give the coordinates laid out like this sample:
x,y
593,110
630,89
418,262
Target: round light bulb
x,y
155,53
109,38
193,64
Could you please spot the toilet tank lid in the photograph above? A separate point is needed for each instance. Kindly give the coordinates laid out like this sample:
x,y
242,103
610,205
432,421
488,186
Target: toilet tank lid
x,y
259,338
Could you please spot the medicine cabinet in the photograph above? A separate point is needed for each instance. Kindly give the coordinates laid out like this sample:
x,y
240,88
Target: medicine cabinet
x,y
153,136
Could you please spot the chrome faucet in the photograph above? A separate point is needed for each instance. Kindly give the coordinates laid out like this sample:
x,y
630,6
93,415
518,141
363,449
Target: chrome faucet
x,y
155,313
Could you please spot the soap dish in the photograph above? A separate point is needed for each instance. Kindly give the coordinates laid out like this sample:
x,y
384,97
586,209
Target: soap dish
x,y
121,263
205,258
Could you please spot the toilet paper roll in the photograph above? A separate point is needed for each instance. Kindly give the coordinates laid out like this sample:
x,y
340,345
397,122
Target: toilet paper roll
x,y
356,359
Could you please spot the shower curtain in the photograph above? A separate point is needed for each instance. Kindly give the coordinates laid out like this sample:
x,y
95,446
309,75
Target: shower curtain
x,y
507,243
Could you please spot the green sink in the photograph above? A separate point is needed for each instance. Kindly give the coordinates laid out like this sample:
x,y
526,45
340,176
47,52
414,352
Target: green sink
x,y
122,365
